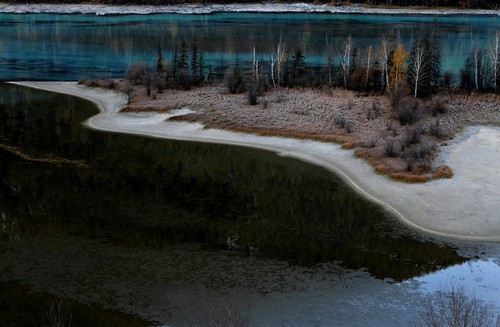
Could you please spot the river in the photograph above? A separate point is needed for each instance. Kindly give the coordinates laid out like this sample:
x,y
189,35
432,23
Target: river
x,y
167,230
75,46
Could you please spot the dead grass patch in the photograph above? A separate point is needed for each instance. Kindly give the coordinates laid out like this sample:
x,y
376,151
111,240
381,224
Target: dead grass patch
x,y
314,114
442,172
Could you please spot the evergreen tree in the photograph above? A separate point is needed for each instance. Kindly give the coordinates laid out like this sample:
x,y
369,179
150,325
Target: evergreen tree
x,y
159,59
194,60
182,64
296,68
435,57
175,60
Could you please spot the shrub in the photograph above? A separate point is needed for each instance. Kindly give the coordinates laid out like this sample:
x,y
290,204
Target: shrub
x,y
423,149
455,306
373,142
137,72
340,121
407,112
414,135
184,81
404,142
390,148
442,172
349,126
252,94
159,82
409,164
448,79
435,128
376,107
436,107
234,81
127,88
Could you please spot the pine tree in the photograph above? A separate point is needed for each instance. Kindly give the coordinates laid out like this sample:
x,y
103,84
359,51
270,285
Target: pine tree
x,y
194,60
175,60
435,57
159,59
200,66
296,68
182,64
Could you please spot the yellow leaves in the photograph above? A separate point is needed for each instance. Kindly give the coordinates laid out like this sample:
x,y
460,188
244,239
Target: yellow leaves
x,y
398,65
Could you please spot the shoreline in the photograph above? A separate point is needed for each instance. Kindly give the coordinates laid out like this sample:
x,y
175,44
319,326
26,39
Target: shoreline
x,y
463,207
200,9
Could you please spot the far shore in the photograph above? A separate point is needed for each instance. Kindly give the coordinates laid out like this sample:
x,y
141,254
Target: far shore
x,y
203,9
463,207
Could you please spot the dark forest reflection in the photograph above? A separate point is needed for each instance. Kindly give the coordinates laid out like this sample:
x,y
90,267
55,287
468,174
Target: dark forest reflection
x,y
137,191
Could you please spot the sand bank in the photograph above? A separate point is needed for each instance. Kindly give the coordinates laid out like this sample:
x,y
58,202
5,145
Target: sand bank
x,y
464,207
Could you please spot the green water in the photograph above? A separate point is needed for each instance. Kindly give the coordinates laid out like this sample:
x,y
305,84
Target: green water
x,y
71,47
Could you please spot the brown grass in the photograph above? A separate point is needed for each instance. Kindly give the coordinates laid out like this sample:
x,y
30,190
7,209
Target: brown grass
x,y
442,172
312,114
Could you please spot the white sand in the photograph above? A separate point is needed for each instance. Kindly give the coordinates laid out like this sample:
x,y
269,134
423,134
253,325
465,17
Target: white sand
x,y
466,206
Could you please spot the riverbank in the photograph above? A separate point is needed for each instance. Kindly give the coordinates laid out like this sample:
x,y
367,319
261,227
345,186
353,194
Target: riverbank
x,y
464,207
269,7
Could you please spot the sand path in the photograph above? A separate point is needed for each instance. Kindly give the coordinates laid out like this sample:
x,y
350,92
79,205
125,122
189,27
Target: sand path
x,y
466,206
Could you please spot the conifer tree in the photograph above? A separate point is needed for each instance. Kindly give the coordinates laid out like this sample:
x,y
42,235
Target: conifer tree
x,y
435,57
159,59
194,60
182,64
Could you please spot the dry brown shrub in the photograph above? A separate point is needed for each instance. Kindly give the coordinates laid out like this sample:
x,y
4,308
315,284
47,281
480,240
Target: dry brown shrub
x,y
442,172
409,177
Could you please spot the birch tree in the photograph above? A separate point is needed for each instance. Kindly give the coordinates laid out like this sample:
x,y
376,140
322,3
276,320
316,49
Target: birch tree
x,y
493,53
278,60
418,75
345,58
368,64
384,51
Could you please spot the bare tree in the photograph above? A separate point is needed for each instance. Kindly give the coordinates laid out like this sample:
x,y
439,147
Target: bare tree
x,y
278,59
368,63
384,50
418,70
230,310
57,315
454,306
329,58
345,58
493,53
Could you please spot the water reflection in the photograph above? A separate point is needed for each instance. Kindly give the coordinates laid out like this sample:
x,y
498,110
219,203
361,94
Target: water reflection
x,y
137,191
70,47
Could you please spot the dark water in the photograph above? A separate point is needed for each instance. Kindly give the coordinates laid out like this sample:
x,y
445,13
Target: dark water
x,y
70,47
61,183
138,191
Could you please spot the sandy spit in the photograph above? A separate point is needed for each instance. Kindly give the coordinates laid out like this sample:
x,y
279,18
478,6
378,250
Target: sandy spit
x,y
266,7
465,207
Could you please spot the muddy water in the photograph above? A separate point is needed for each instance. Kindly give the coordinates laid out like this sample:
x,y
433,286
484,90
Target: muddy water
x,y
160,228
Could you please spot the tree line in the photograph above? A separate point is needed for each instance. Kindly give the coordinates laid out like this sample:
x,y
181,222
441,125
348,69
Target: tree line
x,y
383,68
472,4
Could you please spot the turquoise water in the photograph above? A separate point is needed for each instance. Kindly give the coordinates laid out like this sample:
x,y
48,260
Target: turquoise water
x,y
69,47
